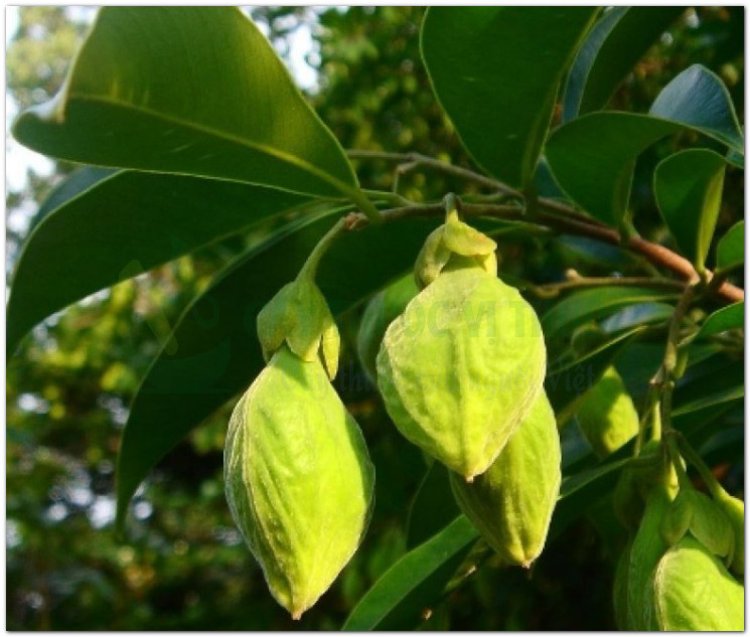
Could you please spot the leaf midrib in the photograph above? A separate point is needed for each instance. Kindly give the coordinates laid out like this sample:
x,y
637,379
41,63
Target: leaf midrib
x,y
222,135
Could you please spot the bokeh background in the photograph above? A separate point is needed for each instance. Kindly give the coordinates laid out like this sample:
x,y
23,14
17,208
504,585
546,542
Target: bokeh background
x,y
182,564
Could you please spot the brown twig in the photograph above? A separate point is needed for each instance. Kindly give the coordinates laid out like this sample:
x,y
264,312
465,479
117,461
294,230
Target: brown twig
x,y
430,162
551,290
553,214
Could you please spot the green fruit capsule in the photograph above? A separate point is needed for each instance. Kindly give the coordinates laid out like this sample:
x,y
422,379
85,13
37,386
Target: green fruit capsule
x,y
378,315
735,511
647,549
298,479
695,513
607,416
461,367
694,591
511,504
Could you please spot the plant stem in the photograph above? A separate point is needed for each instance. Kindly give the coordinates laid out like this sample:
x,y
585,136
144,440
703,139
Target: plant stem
x,y
718,279
435,164
552,214
366,206
651,417
693,457
676,459
551,290
662,384
387,195
310,267
673,337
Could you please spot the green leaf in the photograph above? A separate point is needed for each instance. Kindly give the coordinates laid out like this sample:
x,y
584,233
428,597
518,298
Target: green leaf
x,y
579,491
730,252
215,352
121,225
587,305
566,384
727,318
714,382
188,90
433,506
728,394
396,599
72,186
699,99
593,157
688,187
711,402
635,315
575,483
496,71
618,40
736,158
418,579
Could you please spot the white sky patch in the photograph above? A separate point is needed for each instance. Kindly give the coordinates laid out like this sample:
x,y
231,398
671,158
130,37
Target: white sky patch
x,y
300,45
102,511
11,23
18,159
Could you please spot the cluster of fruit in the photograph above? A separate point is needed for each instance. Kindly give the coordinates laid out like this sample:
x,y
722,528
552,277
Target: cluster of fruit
x,y
678,568
459,358
460,367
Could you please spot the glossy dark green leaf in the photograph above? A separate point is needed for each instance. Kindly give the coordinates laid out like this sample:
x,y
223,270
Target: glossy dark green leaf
x,y
617,41
727,318
736,158
418,579
72,186
433,506
215,352
725,446
730,252
580,490
391,603
639,314
699,99
574,483
569,382
120,225
725,395
715,381
188,90
496,72
688,187
592,304
593,157
585,252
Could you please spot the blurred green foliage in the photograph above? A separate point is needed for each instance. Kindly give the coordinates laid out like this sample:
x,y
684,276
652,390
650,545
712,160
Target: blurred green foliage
x,y
182,564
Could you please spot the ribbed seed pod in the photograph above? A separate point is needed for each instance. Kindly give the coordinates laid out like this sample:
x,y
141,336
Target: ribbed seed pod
x,y
634,483
298,478
647,549
694,513
735,511
461,367
511,504
692,590
607,416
